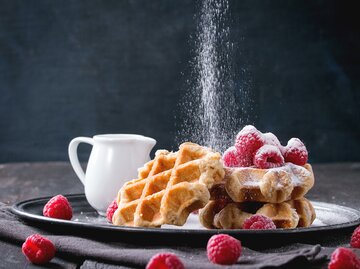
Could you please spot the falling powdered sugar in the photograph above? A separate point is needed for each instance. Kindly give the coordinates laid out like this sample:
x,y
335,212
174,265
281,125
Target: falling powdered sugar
x,y
211,116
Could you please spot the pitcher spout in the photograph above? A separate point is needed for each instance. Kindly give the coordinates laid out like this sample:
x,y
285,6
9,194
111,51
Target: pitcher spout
x,y
149,143
145,145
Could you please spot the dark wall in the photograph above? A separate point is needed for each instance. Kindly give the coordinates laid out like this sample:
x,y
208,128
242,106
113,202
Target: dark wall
x,y
79,68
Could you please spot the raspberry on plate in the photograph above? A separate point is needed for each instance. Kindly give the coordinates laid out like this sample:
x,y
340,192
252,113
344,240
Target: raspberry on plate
x,y
258,222
111,210
165,260
38,249
344,258
232,158
223,249
268,156
355,238
58,207
296,152
248,141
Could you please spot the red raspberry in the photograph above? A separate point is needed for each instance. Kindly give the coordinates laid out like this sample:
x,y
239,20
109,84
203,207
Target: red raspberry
x,y
58,207
271,139
248,141
223,249
165,261
344,258
232,158
296,152
258,222
355,238
111,210
38,249
268,156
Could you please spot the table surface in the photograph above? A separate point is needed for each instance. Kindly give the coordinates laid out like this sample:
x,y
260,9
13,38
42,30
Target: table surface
x,y
334,183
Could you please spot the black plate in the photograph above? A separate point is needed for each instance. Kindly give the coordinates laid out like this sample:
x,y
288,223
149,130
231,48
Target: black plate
x,y
331,220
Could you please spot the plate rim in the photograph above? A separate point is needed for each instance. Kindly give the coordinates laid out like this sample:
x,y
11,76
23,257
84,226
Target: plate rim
x,y
17,209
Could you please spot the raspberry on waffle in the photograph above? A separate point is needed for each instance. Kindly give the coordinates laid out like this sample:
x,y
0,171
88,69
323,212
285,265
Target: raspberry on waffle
x,y
169,187
274,185
290,214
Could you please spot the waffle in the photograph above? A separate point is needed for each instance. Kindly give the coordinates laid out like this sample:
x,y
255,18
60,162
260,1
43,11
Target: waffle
x,y
169,187
275,185
221,214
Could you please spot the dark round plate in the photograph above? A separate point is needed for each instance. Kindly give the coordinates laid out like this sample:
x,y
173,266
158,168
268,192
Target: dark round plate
x,y
330,219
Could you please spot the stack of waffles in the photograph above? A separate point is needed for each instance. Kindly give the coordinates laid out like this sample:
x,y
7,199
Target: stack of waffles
x,y
262,177
277,193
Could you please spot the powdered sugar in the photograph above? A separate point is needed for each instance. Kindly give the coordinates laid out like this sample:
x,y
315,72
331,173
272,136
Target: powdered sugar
x,y
211,114
296,172
266,148
296,142
271,139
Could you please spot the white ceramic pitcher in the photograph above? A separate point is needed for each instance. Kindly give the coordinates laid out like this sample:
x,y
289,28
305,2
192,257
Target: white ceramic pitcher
x,y
114,159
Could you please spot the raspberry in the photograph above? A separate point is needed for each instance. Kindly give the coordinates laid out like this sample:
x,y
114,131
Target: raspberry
x,y
232,158
355,238
248,141
344,258
58,207
111,210
38,249
295,152
271,139
165,261
223,249
258,222
268,156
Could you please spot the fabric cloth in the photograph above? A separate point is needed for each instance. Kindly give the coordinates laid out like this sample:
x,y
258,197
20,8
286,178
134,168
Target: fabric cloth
x,y
96,254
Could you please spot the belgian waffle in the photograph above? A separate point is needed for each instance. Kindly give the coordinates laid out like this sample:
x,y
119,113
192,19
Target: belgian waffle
x,y
275,185
169,187
222,214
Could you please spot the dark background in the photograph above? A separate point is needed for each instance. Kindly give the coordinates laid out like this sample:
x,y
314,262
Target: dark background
x,y
79,68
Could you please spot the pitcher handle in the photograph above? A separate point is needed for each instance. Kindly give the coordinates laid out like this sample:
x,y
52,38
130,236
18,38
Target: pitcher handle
x,y
74,159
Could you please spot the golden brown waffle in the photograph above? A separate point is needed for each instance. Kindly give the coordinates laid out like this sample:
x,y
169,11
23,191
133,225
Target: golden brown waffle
x,y
275,185
169,187
221,214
